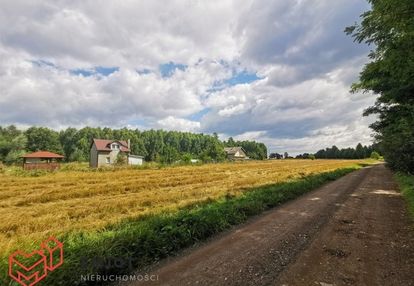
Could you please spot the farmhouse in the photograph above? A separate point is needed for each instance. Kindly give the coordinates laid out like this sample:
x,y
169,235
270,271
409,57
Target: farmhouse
x,y
236,153
43,160
105,152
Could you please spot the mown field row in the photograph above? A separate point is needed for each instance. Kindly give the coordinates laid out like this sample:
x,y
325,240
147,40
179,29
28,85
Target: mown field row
x,y
85,208
61,202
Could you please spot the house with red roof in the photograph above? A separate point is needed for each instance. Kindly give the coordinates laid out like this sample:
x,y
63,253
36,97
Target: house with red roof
x,y
106,152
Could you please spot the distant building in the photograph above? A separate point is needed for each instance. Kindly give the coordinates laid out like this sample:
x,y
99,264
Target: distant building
x,y
236,153
105,152
42,160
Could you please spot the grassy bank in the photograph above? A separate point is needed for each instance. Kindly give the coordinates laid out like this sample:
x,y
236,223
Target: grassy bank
x,y
154,237
406,183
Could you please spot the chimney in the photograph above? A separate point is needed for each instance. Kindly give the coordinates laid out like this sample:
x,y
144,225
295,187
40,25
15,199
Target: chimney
x,y
129,144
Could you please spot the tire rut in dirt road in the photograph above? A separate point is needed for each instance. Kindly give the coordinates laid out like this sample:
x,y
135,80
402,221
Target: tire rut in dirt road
x,y
369,241
256,253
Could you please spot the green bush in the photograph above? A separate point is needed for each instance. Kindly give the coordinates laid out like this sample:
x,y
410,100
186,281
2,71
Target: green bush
x,y
406,183
121,159
375,155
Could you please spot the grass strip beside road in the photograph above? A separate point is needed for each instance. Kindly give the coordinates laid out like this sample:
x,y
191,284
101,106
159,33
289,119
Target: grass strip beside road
x,y
406,183
152,238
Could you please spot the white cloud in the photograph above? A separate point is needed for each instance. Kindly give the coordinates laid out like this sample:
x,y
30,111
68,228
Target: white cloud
x,y
254,135
342,136
129,34
47,95
179,124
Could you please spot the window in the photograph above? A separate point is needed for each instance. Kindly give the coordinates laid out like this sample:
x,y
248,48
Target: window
x,y
115,146
108,160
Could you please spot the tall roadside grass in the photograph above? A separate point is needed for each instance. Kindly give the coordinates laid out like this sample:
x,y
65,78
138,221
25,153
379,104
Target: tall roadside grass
x,y
406,183
154,237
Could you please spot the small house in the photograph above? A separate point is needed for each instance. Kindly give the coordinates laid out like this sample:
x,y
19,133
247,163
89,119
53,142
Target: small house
x,y
42,160
236,153
105,152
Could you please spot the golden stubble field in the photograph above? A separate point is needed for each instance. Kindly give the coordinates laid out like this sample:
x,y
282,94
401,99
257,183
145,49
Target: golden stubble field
x,y
32,208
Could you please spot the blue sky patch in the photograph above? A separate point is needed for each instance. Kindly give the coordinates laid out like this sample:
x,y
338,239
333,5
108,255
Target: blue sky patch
x,y
104,71
168,69
242,78
197,116
82,72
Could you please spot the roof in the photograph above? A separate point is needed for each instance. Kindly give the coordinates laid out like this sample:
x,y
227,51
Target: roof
x,y
136,156
105,145
43,154
233,150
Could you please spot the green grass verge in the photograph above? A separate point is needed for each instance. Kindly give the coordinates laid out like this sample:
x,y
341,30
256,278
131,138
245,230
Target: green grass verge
x,y
406,183
152,238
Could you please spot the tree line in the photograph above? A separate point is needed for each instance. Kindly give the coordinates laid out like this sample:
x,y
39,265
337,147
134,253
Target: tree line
x,y
359,152
155,145
389,28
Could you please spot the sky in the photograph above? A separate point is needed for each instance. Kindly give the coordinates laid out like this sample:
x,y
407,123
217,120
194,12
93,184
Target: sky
x,y
278,72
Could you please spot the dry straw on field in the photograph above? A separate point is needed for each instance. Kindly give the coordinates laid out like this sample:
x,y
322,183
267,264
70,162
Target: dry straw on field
x,y
33,208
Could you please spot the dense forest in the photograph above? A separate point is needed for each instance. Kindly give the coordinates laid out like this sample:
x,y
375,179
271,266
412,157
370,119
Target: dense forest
x,y
155,145
389,28
359,152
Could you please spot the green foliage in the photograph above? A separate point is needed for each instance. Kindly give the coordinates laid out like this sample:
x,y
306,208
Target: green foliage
x,y
20,172
170,155
77,155
406,183
389,25
151,238
375,155
304,156
12,143
276,156
359,152
121,159
14,156
42,138
186,158
214,152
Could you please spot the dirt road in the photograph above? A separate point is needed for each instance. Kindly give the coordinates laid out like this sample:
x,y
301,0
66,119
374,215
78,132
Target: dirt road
x,y
354,231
